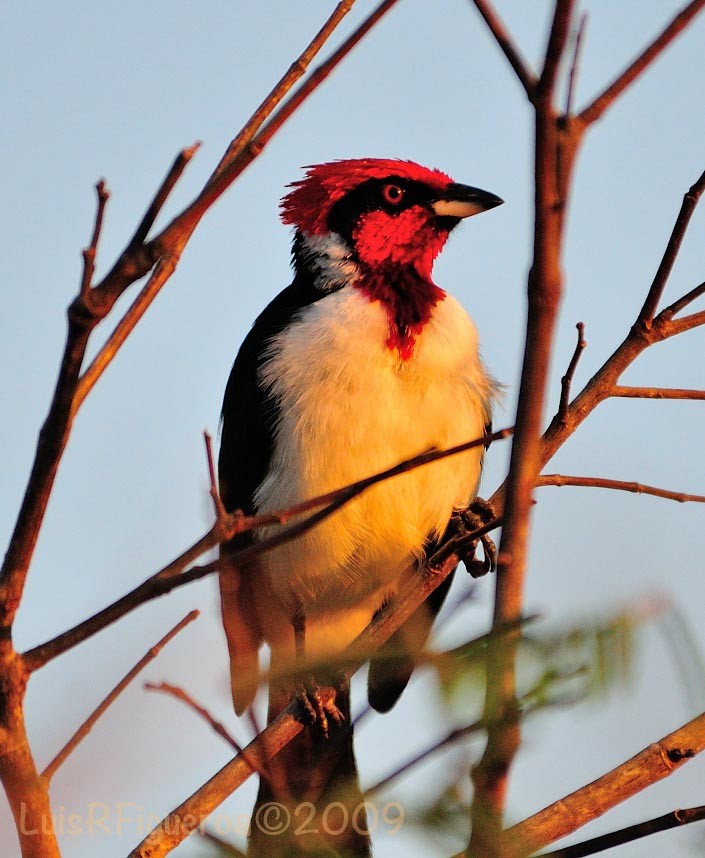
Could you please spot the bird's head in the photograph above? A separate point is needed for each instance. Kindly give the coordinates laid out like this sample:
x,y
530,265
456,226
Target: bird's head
x,y
387,212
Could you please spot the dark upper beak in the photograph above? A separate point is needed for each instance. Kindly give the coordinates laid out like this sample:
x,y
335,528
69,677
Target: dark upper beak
x,y
464,201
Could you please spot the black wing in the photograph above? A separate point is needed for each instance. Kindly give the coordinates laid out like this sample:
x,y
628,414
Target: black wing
x,y
249,413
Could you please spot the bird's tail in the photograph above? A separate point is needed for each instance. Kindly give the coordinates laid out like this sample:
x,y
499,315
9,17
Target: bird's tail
x,y
309,801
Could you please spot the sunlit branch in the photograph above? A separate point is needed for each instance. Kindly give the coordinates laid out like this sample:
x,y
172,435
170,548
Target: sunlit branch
x,y
617,485
596,109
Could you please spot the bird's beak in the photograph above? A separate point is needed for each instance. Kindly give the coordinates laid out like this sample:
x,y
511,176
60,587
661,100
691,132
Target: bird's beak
x,y
464,201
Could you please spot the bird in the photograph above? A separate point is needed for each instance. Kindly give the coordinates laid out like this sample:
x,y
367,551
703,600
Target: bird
x,y
361,362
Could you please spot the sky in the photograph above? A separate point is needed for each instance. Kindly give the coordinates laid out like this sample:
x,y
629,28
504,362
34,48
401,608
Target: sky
x,y
97,90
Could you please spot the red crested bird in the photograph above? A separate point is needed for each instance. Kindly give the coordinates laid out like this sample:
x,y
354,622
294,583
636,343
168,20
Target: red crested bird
x,y
361,362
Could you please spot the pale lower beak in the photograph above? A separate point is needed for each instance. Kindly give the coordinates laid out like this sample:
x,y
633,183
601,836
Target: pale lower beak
x,y
464,201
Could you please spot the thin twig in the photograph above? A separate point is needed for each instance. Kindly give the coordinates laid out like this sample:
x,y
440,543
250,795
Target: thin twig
x,y
220,511
674,819
656,392
683,302
690,201
51,444
89,723
90,252
526,76
162,195
587,803
575,62
597,108
557,43
201,711
617,485
171,576
294,72
567,379
450,738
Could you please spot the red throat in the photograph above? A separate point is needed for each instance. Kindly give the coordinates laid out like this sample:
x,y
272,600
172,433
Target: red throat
x,y
396,256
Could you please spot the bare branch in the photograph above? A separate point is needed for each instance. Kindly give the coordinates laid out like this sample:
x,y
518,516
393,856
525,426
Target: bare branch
x,y
567,379
163,270
220,511
296,70
656,392
582,806
690,201
557,41
50,447
90,252
674,819
526,77
683,302
89,723
162,195
201,711
687,323
572,76
171,576
450,738
617,485
596,109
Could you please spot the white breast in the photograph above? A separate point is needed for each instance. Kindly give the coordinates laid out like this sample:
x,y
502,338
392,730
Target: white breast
x,y
350,408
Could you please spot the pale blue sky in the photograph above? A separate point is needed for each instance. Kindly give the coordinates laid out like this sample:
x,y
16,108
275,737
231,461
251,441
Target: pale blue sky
x,y
115,90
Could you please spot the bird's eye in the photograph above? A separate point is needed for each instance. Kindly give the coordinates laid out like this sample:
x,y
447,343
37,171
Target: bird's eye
x,y
393,194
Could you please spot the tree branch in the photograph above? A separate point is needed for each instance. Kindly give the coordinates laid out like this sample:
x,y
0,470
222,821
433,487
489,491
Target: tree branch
x,y
526,76
91,720
627,835
596,109
617,485
656,392
690,201
636,774
202,712
567,379
574,64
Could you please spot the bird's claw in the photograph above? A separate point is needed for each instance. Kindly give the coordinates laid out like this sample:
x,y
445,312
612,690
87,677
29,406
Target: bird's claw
x,y
468,520
318,705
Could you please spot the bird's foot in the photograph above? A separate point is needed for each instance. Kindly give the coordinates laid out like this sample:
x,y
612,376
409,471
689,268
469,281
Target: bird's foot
x,y
465,521
318,705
